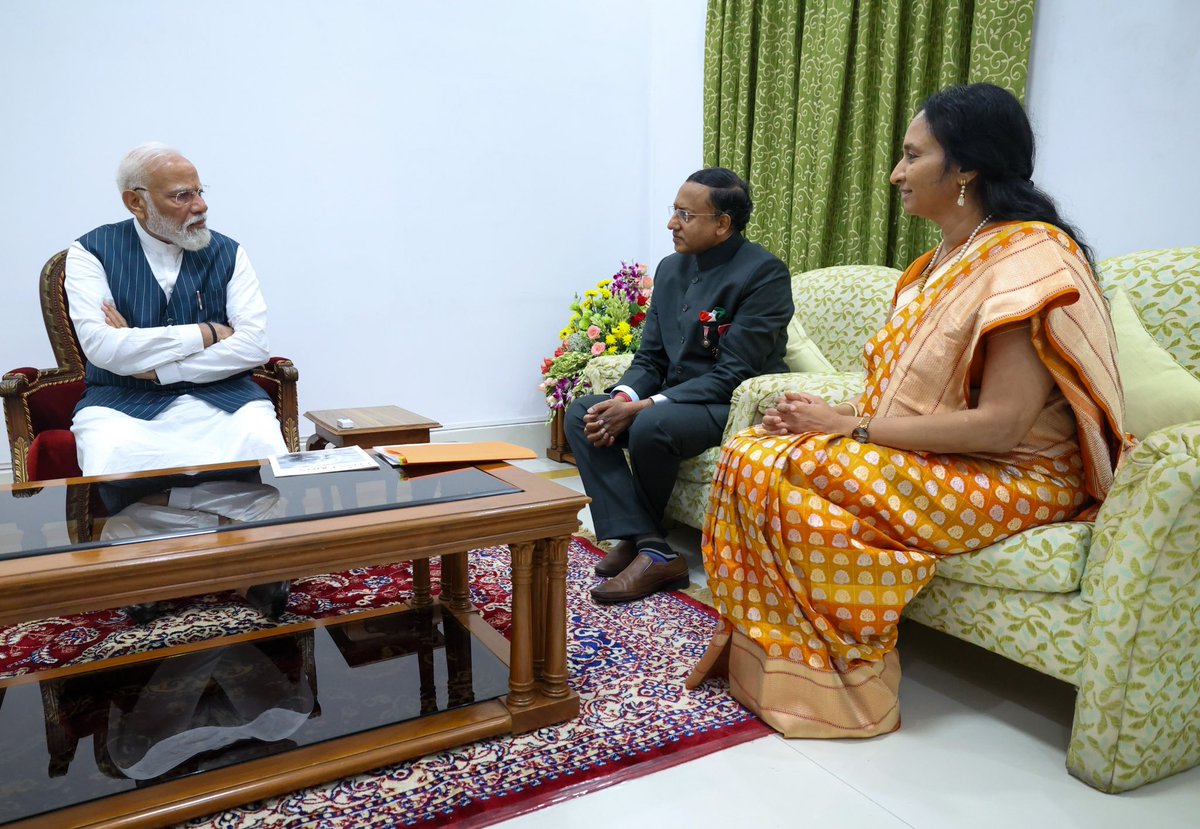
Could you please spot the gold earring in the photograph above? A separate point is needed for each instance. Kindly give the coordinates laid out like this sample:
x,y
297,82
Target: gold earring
x,y
962,192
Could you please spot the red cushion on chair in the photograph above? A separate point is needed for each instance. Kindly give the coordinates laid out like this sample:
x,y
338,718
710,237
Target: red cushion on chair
x,y
268,384
52,455
51,407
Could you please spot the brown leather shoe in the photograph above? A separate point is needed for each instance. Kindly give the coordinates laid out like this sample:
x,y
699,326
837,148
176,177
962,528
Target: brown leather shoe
x,y
642,577
618,558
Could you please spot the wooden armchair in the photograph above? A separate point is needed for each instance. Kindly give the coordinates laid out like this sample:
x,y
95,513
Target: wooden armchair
x,y
38,403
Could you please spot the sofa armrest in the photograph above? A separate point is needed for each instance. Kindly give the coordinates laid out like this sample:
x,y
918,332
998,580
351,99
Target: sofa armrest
x,y
754,396
602,372
1138,718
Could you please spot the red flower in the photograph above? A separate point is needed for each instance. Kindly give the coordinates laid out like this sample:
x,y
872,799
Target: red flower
x,y
637,319
705,316
561,350
546,365
641,300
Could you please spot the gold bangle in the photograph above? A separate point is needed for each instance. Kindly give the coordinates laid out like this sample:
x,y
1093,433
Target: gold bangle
x,y
854,409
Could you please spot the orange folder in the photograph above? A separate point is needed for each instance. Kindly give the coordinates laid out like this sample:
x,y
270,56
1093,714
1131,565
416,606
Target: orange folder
x,y
402,454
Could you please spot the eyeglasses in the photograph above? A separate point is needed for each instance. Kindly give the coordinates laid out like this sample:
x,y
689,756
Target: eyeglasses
x,y
181,198
686,216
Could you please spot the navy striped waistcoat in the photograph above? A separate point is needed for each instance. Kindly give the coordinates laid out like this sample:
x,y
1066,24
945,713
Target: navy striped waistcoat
x,y
141,301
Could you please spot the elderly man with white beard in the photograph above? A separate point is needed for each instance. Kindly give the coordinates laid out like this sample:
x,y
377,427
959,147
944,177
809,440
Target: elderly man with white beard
x,y
171,319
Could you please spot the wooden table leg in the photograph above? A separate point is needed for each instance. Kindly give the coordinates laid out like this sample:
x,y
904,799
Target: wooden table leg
x,y
460,678
520,668
425,664
420,579
456,588
554,671
539,609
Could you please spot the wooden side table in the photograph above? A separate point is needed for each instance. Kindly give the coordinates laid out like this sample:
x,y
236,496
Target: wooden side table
x,y
373,426
559,450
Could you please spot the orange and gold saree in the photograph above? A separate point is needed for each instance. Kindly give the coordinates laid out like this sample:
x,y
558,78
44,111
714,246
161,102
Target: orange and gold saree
x,y
814,543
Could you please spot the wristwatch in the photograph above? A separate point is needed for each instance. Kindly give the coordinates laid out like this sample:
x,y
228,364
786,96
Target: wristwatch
x,y
860,433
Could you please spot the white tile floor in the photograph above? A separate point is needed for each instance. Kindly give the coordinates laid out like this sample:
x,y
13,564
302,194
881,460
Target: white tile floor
x,y
983,744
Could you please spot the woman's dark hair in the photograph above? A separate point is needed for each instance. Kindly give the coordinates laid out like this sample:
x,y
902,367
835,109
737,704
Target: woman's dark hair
x,y
729,193
983,128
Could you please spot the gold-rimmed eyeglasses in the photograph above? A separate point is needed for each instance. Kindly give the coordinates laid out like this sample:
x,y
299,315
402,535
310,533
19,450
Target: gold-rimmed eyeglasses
x,y
181,198
686,216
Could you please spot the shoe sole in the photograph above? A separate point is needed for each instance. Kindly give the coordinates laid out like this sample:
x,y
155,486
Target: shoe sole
x,y
620,598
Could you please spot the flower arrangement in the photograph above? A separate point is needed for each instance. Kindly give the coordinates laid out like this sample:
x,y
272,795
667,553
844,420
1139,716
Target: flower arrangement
x,y
605,320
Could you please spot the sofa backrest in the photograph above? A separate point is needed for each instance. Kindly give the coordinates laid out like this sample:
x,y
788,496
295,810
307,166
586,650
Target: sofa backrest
x,y
1164,287
841,307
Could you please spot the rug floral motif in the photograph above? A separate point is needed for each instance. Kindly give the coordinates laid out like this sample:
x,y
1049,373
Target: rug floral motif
x,y
626,662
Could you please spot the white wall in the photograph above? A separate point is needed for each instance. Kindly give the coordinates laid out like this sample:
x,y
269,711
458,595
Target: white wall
x,y
1114,95
421,186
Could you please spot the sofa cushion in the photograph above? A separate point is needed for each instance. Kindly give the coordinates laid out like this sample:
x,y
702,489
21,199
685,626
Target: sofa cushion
x,y
603,372
1047,559
1158,391
802,353
699,470
1164,288
841,306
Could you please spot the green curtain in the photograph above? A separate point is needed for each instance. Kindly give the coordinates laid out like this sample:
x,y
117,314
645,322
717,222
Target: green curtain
x,y
809,101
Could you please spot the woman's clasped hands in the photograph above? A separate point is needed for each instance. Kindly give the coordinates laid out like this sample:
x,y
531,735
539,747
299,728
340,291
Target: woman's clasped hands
x,y
797,412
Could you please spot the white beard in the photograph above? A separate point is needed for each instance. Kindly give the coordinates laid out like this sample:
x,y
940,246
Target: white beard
x,y
183,235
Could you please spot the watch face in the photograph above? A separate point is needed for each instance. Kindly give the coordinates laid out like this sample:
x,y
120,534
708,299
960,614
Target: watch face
x,y
860,434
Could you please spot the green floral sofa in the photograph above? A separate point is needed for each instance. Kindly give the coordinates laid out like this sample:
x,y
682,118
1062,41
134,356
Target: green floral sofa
x,y
1113,607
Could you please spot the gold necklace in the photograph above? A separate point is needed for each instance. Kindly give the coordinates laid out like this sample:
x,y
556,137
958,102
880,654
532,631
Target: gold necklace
x,y
966,246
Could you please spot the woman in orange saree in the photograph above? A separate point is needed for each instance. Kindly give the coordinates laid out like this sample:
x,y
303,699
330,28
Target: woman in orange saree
x,y
992,404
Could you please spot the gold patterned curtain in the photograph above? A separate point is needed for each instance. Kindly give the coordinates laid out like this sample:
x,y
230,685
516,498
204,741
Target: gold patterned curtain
x,y
809,101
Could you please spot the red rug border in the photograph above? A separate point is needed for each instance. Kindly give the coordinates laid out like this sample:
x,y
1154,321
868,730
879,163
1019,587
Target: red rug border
x,y
599,779
685,750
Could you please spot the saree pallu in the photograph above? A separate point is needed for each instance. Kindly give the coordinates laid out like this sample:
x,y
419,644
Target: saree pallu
x,y
814,543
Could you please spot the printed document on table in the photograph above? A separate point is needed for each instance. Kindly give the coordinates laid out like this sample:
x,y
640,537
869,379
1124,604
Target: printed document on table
x,y
322,460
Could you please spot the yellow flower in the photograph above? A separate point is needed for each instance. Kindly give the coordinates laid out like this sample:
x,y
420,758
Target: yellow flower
x,y
612,349
591,293
627,339
610,339
621,329
562,335
604,292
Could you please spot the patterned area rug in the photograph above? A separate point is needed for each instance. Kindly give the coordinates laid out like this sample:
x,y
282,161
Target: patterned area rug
x,y
627,662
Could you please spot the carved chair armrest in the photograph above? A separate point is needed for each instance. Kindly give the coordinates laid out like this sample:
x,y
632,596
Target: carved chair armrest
x,y
17,388
279,376
14,386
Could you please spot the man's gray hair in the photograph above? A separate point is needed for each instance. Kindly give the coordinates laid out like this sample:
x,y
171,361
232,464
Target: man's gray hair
x,y
134,169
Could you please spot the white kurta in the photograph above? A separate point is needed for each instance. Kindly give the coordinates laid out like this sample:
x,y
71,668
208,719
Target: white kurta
x,y
190,431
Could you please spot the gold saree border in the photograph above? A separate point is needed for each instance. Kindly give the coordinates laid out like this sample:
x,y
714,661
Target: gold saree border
x,y
799,701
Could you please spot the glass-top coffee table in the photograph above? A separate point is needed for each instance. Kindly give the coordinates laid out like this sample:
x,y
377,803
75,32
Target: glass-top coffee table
x,y
288,713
